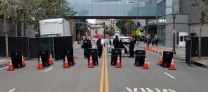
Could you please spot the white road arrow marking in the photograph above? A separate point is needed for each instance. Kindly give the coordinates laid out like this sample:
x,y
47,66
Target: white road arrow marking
x,y
135,89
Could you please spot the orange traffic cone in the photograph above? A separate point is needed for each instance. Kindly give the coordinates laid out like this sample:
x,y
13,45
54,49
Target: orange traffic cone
x,y
172,65
90,63
160,53
23,61
146,64
66,64
150,48
118,62
40,64
161,60
51,60
11,67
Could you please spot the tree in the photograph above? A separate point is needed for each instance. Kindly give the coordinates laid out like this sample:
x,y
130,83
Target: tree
x,y
31,12
203,9
6,13
125,26
110,31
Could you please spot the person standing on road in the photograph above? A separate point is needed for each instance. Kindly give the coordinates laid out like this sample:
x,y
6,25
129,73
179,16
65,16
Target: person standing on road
x,y
121,45
86,45
100,47
131,47
148,40
116,42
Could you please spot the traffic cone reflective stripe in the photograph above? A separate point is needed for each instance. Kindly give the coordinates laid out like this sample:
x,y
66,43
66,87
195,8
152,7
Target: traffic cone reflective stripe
x,y
23,61
11,67
146,64
51,60
66,64
90,63
40,64
172,65
118,62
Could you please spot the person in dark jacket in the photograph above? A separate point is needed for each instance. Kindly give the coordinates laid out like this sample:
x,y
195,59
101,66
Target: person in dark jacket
x,y
100,47
86,45
131,47
121,45
116,42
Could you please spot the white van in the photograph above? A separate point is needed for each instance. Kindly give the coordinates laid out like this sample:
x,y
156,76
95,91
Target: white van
x,y
182,39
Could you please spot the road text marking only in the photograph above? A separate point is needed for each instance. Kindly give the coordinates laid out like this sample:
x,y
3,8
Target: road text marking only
x,y
169,75
12,90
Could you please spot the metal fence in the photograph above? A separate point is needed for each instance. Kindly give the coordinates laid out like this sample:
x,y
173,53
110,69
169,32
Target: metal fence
x,y
2,46
30,47
194,46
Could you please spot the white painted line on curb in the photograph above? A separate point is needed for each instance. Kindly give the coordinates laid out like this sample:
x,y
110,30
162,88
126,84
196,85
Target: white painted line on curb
x,y
48,69
169,75
12,90
3,68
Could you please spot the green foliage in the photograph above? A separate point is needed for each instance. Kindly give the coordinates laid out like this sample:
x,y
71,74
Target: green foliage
x,y
125,26
110,31
34,10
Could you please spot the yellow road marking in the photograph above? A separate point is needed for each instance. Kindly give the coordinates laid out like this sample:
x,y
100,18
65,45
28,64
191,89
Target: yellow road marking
x,y
104,86
102,75
106,73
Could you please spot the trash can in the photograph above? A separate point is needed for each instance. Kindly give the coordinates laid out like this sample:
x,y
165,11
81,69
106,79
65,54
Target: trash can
x,y
94,53
114,55
167,58
16,58
139,57
70,57
45,58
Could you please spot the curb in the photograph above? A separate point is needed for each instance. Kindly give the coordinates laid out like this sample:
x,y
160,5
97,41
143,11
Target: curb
x,y
4,64
200,64
193,62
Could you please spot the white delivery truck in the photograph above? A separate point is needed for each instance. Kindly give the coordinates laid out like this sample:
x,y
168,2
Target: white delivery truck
x,y
54,27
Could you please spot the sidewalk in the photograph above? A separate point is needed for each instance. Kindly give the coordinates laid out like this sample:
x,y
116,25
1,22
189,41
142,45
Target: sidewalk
x,y
203,62
3,62
180,55
180,52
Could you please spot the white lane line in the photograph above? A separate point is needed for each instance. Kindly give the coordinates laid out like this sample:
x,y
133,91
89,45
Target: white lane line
x,y
3,68
48,69
169,75
12,90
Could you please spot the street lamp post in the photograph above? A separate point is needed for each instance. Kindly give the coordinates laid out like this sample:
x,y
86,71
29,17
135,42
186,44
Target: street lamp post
x,y
174,31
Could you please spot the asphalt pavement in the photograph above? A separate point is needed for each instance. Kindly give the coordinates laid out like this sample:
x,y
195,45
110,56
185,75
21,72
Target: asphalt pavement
x,y
104,77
